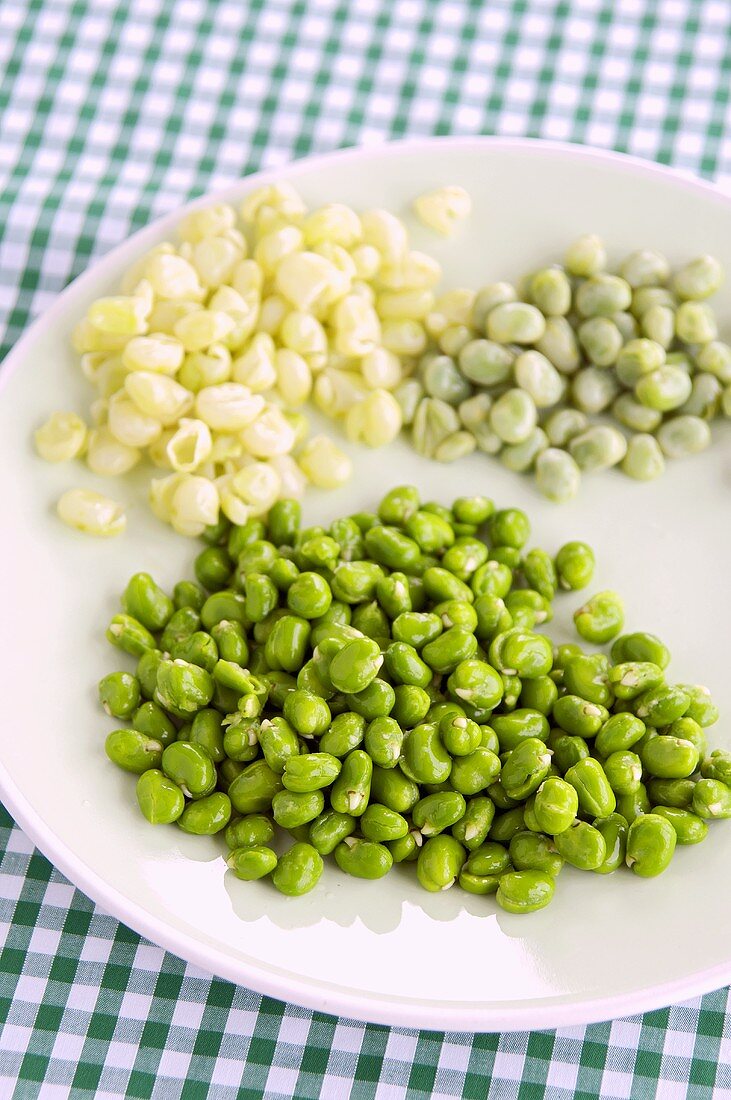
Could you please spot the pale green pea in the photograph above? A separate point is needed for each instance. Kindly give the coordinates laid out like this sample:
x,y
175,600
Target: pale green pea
x,y
160,799
119,694
424,758
626,324
207,816
644,459
434,421
513,416
436,812
408,395
684,435
647,297
695,323
602,295
642,647
453,339
487,297
252,791
661,705
586,256
705,397
658,324
598,448
145,601
455,446
715,358
356,665
128,634
550,290
702,709
601,618
601,340
633,415
559,345
593,389
638,358
562,425
645,267
442,379
651,843
671,792
664,389
384,741
535,374
515,323
190,767
698,279
667,757
711,799
557,475
486,363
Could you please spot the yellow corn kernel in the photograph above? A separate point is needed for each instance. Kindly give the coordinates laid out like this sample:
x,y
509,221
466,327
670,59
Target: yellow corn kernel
x,y
403,337
281,198
381,369
452,308
417,271
134,274
335,391
157,452
244,312
386,233
110,376
367,261
270,434
156,352
363,290
304,278
303,333
120,315
247,278
105,455
206,368
199,330
376,421
160,494
342,275
300,426
129,424
165,315
273,247
91,513
194,505
271,314
443,208
208,221
333,222
255,367
411,304
226,446
324,463
86,338
292,480
214,259
294,378
229,407
99,411
172,276
189,446
257,485
158,396
357,328
62,437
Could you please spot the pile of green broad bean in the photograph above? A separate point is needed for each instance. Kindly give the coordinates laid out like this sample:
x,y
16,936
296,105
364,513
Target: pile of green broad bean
x,y
527,379
379,691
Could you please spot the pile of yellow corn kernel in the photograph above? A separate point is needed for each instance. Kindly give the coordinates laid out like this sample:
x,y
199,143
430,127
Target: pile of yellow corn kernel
x,y
203,361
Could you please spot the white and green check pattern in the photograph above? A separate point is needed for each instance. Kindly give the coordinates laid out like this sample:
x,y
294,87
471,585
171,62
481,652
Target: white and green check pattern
x,y
114,112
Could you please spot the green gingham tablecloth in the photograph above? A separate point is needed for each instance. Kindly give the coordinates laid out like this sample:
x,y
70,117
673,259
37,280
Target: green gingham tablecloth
x,y
115,111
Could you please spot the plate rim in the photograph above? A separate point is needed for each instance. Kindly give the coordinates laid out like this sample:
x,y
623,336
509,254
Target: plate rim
x,y
361,1005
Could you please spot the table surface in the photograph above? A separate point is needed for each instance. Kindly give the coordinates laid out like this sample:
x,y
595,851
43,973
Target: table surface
x,y
111,114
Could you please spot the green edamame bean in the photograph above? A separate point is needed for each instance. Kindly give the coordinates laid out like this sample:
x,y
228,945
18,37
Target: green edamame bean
x,y
356,665
394,595
660,706
672,792
213,568
206,730
384,741
631,678
689,828
651,843
207,816
411,705
283,573
406,848
252,862
423,756
450,649
391,547
587,675
633,805
507,824
477,683
160,799
436,812
231,642
249,831
525,654
128,634
147,667
379,823
601,618
197,649
416,628
623,770
472,828
556,805
224,605
146,602
283,522
440,862
190,767
640,647
298,870
701,709
535,852
252,791
589,780
241,536
525,768
519,725
261,595
346,733
286,645
182,688
614,830
392,788
374,701
133,751
329,829
152,720
352,787
310,772
257,557
279,743
119,694
459,734
440,585
405,666
669,757
241,738
363,858
524,891
294,808
308,714
575,565
711,799
356,581
188,594
576,716
582,845
309,596
717,766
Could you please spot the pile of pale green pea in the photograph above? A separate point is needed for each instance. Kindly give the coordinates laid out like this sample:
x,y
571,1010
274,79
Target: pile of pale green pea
x,y
527,379
378,691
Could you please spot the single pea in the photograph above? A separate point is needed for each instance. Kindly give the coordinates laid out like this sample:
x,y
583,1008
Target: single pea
x,y
416,628
231,642
586,256
213,568
659,706
509,527
374,701
252,829
631,678
405,666
686,729
494,578
351,790
283,573
160,799
717,766
279,742
689,827
188,594
493,617
641,647
147,667
391,547
614,830
582,845
596,797
129,634
310,772
133,751
623,770
440,862
618,734
472,828
286,645
392,788
525,768
436,812
291,809
298,870
346,733
380,824
519,725
152,720
399,504
556,805
701,708
207,816
207,731
424,758
356,665
651,843
587,675
459,734
575,565
190,767
242,535
406,848
528,608
507,824
672,792
119,694
197,649
329,829
524,891
256,557
540,694
601,618
411,705
525,654
393,594
308,714
363,858
477,683
309,595
577,716
601,340
446,652
224,605
568,749
383,742
711,799
183,688
146,602
252,791
241,737
534,852
634,805
440,584
283,522
252,862
557,475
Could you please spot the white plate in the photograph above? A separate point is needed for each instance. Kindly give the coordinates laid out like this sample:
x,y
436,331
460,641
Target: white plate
x,y
383,951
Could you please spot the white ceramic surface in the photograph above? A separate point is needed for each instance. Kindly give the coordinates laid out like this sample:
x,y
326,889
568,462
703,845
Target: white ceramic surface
x,y
387,952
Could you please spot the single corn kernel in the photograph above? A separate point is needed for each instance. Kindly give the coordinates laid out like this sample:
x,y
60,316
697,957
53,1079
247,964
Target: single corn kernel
x,y
208,221
173,277
294,378
63,436
333,222
229,407
199,330
194,505
91,513
443,209
158,396
376,420
105,455
324,463
120,316
158,352
189,445
270,434
255,367
129,424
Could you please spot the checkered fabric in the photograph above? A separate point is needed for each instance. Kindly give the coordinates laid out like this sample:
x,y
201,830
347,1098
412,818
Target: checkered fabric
x,y
114,112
